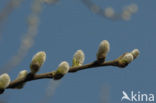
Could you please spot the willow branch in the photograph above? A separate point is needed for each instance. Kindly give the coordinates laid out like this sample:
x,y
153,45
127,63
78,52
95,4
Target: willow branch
x,y
50,75
64,68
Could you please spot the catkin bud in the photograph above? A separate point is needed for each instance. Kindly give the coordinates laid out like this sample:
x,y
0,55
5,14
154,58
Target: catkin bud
x,y
22,75
104,48
78,58
135,53
62,69
127,58
37,61
4,81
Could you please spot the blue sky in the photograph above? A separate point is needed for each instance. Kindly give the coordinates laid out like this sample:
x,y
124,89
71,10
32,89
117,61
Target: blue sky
x,y
69,26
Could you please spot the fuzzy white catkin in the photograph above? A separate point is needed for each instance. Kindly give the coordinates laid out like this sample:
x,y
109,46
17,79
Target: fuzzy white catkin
x,y
109,12
128,57
4,81
38,60
40,56
104,48
78,58
135,53
63,68
22,74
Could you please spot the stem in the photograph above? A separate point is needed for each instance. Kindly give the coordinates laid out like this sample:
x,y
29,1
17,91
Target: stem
x,y
50,75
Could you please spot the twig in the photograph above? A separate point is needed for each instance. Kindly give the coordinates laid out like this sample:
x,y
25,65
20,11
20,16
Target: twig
x,y
51,75
64,68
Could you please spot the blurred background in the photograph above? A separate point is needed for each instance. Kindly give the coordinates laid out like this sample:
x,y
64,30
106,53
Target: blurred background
x,y
60,28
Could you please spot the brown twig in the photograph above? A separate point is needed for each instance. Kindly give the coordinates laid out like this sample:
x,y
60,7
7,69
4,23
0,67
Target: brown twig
x,y
51,75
